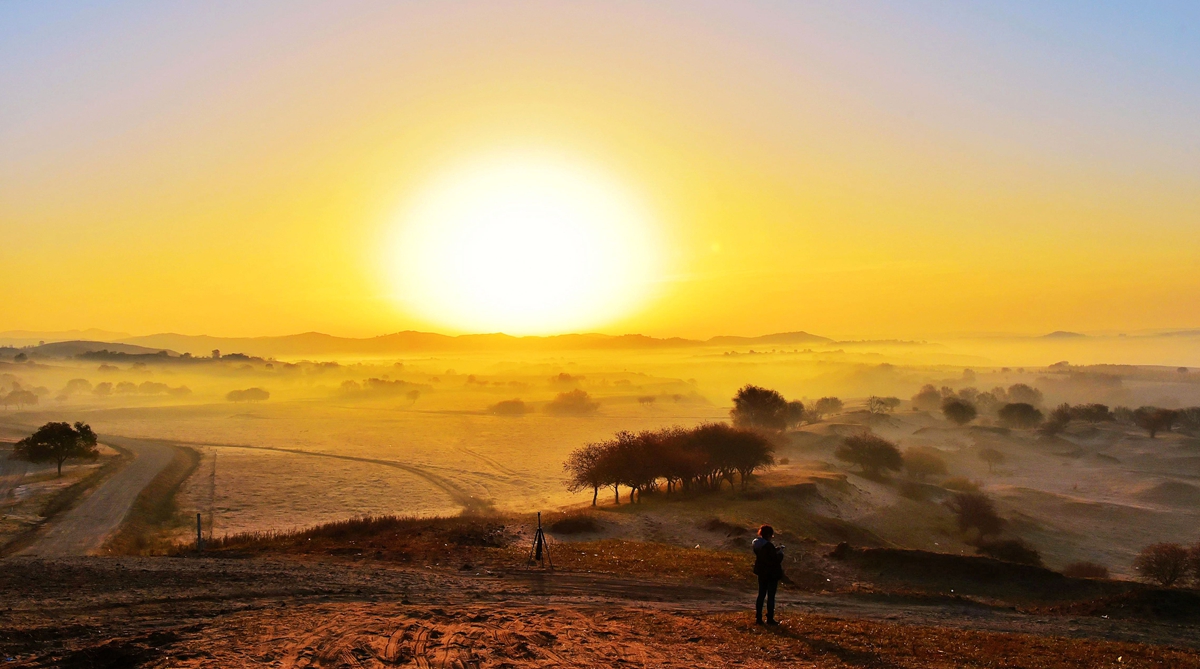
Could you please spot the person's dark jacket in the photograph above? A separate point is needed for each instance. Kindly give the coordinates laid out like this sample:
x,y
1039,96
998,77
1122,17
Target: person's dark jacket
x,y
768,560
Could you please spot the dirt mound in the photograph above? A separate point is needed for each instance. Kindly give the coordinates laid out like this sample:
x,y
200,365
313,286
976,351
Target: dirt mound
x,y
1169,493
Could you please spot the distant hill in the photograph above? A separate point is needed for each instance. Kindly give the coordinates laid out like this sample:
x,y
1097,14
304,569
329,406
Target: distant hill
x,y
1063,334
33,337
70,349
316,343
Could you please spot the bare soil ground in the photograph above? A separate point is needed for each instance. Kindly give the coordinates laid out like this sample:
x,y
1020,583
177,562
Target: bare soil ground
x,y
204,612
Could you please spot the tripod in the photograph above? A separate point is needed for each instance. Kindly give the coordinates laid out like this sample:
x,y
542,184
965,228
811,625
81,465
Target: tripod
x,y
540,546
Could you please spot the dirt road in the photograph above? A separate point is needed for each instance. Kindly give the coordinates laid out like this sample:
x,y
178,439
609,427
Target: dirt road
x,y
84,528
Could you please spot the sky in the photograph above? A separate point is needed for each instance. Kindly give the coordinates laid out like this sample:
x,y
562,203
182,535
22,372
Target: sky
x,y
871,169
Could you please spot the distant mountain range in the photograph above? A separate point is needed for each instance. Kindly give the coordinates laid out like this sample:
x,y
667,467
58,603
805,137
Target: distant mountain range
x,y
317,344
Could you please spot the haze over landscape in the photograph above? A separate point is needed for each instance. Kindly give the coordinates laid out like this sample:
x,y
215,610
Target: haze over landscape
x,y
489,334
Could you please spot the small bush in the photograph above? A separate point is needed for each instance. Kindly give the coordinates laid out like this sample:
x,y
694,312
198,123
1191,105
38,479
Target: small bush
x,y
574,403
1085,570
873,454
575,524
975,511
922,461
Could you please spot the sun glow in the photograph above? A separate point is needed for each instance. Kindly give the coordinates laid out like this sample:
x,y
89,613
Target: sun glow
x,y
524,245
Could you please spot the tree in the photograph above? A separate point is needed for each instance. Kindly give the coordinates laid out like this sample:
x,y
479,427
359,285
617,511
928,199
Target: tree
x,y
513,407
413,396
882,405
585,467
759,407
1019,393
873,454
57,442
922,461
1153,420
975,511
1163,564
1019,415
927,399
992,457
957,411
21,397
574,403
795,413
826,406
1189,420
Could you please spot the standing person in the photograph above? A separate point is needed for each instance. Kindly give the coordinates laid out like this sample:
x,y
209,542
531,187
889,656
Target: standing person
x,y
768,565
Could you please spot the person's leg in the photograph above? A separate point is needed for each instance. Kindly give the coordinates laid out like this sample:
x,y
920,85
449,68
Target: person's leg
x,y
772,586
763,585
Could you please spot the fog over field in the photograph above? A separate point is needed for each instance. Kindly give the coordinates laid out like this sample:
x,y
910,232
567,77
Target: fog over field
x,y
289,442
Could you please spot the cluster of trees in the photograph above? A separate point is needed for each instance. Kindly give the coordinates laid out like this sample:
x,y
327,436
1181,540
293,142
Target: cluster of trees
x,y
374,387
574,403
674,459
982,527
18,397
760,408
57,442
933,399
1169,564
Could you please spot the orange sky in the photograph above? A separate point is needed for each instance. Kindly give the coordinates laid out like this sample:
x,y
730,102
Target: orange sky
x,y
875,172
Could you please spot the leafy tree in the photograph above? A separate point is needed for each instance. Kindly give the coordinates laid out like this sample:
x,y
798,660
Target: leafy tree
x,y
826,406
585,468
1019,393
992,457
927,399
922,461
760,408
1153,420
1163,564
1019,415
412,396
20,398
959,412
873,454
882,405
795,413
975,511
57,442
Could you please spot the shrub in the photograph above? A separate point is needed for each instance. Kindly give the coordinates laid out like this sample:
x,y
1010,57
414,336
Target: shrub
x,y
1163,563
579,523
513,407
975,511
958,411
873,454
1085,570
574,403
928,399
248,395
922,461
1019,415
1010,550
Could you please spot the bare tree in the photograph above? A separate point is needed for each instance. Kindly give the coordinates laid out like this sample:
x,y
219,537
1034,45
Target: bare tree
x,y
1163,564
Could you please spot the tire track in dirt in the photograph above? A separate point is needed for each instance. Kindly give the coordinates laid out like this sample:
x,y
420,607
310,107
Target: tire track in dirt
x,y
489,461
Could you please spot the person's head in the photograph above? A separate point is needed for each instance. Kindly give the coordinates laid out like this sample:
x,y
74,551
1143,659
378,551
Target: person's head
x,y
766,532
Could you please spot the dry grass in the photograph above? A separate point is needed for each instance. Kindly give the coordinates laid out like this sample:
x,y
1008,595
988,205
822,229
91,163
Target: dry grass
x,y
640,559
835,643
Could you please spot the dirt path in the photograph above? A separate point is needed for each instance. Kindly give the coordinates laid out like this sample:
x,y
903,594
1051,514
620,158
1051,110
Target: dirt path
x,y
84,528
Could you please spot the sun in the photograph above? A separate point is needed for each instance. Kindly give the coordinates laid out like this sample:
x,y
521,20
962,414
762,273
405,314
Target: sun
x,y
525,245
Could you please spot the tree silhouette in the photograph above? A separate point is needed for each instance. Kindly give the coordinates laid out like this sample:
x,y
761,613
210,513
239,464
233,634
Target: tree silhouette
x,y
958,411
759,407
1019,415
992,457
57,442
873,454
1163,564
1153,420
974,511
